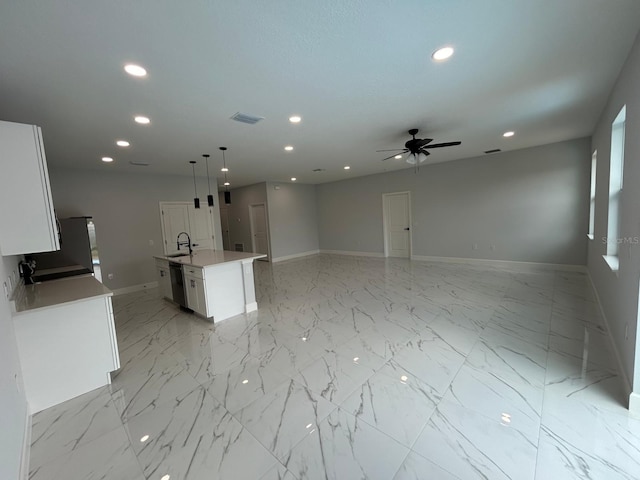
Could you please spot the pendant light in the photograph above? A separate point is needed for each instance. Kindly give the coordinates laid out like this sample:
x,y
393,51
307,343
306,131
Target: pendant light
x,y
196,200
227,193
209,197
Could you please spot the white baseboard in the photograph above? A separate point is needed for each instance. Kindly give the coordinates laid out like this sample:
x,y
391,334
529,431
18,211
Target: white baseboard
x,y
504,264
633,397
26,448
353,253
251,307
634,403
135,288
295,255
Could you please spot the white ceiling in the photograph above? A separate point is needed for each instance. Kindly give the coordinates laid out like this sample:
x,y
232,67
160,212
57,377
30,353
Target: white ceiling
x,y
359,72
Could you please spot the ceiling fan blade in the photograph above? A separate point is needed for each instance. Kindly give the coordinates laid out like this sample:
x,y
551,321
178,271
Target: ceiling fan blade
x,y
426,152
440,145
392,150
395,155
424,141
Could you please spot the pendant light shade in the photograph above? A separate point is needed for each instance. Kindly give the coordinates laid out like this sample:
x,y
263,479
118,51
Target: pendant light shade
x,y
227,193
196,200
209,197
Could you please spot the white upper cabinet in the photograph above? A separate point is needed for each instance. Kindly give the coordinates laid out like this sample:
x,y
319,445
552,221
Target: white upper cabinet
x,y
27,220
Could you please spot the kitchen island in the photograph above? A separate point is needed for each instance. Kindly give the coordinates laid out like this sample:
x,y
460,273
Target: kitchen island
x,y
66,338
218,284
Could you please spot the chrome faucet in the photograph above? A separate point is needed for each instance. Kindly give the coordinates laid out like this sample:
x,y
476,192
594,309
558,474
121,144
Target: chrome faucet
x,y
187,243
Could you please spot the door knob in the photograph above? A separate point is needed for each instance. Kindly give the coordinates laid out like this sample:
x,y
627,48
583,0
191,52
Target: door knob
x,y
406,228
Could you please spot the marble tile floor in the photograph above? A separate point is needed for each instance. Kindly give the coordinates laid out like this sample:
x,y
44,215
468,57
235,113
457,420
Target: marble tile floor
x,y
357,368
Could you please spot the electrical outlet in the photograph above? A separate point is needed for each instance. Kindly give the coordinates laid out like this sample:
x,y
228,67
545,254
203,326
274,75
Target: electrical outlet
x,y
475,246
110,276
626,331
151,243
6,290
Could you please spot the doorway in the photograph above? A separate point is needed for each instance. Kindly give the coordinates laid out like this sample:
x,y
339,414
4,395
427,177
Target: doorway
x,y
396,219
224,223
259,229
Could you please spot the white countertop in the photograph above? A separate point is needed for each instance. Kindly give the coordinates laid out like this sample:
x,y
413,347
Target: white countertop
x,y
55,292
208,258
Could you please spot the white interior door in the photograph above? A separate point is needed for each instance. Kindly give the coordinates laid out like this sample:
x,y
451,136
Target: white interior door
x,y
397,224
259,229
175,219
224,221
201,227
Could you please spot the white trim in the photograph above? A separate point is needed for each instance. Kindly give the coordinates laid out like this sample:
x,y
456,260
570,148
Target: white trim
x,y
266,225
613,262
26,447
627,383
590,236
384,221
634,403
353,253
295,255
526,266
135,288
251,307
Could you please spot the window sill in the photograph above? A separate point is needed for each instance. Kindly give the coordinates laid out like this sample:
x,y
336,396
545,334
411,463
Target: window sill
x,y
613,261
590,236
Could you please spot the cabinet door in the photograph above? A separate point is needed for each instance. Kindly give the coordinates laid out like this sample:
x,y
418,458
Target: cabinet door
x,y
26,208
195,295
164,283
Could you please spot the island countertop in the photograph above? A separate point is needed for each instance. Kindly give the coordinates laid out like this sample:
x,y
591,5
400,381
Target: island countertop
x,y
208,258
27,298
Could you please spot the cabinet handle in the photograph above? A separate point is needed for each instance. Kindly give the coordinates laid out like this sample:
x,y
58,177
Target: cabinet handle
x,y
162,273
193,284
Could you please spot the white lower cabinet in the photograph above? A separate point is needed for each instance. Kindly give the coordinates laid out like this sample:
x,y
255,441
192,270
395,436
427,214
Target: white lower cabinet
x,y
196,296
164,279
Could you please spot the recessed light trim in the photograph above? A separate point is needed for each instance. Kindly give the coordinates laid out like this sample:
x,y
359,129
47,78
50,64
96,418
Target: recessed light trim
x,y
508,134
122,143
144,438
398,157
226,184
295,118
347,167
442,53
293,179
288,148
224,169
135,70
142,119
107,159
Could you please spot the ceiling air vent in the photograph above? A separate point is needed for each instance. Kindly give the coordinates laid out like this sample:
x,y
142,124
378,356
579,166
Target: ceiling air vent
x,y
245,118
318,170
139,164
495,150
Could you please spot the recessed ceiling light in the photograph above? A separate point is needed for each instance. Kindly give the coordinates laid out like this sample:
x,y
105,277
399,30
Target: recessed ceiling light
x,y
226,184
144,438
347,167
166,477
508,134
404,378
245,381
442,53
141,119
295,119
224,169
398,157
135,70
107,159
293,179
122,143
288,148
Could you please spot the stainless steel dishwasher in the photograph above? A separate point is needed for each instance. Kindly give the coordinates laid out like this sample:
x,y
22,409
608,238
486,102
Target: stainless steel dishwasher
x,y
177,284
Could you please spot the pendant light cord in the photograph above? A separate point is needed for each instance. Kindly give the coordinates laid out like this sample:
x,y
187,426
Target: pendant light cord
x,y
193,167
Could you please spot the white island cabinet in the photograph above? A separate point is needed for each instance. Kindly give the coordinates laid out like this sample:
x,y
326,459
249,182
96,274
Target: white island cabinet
x,y
26,208
66,339
218,284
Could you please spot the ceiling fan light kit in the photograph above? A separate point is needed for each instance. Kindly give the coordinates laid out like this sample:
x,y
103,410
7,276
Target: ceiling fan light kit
x,y
416,149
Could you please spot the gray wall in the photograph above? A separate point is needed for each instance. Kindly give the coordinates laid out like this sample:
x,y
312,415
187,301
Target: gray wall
x,y
532,204
13,404
619,293
293,221
239,224
125,208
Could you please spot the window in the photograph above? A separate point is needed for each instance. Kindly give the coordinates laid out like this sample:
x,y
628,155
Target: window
x,y
592,205
616,169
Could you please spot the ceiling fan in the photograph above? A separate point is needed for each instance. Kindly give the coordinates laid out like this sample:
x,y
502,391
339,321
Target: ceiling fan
x,y
415,151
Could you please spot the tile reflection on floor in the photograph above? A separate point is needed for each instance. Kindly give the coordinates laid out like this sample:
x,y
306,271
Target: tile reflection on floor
x,y
357,368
